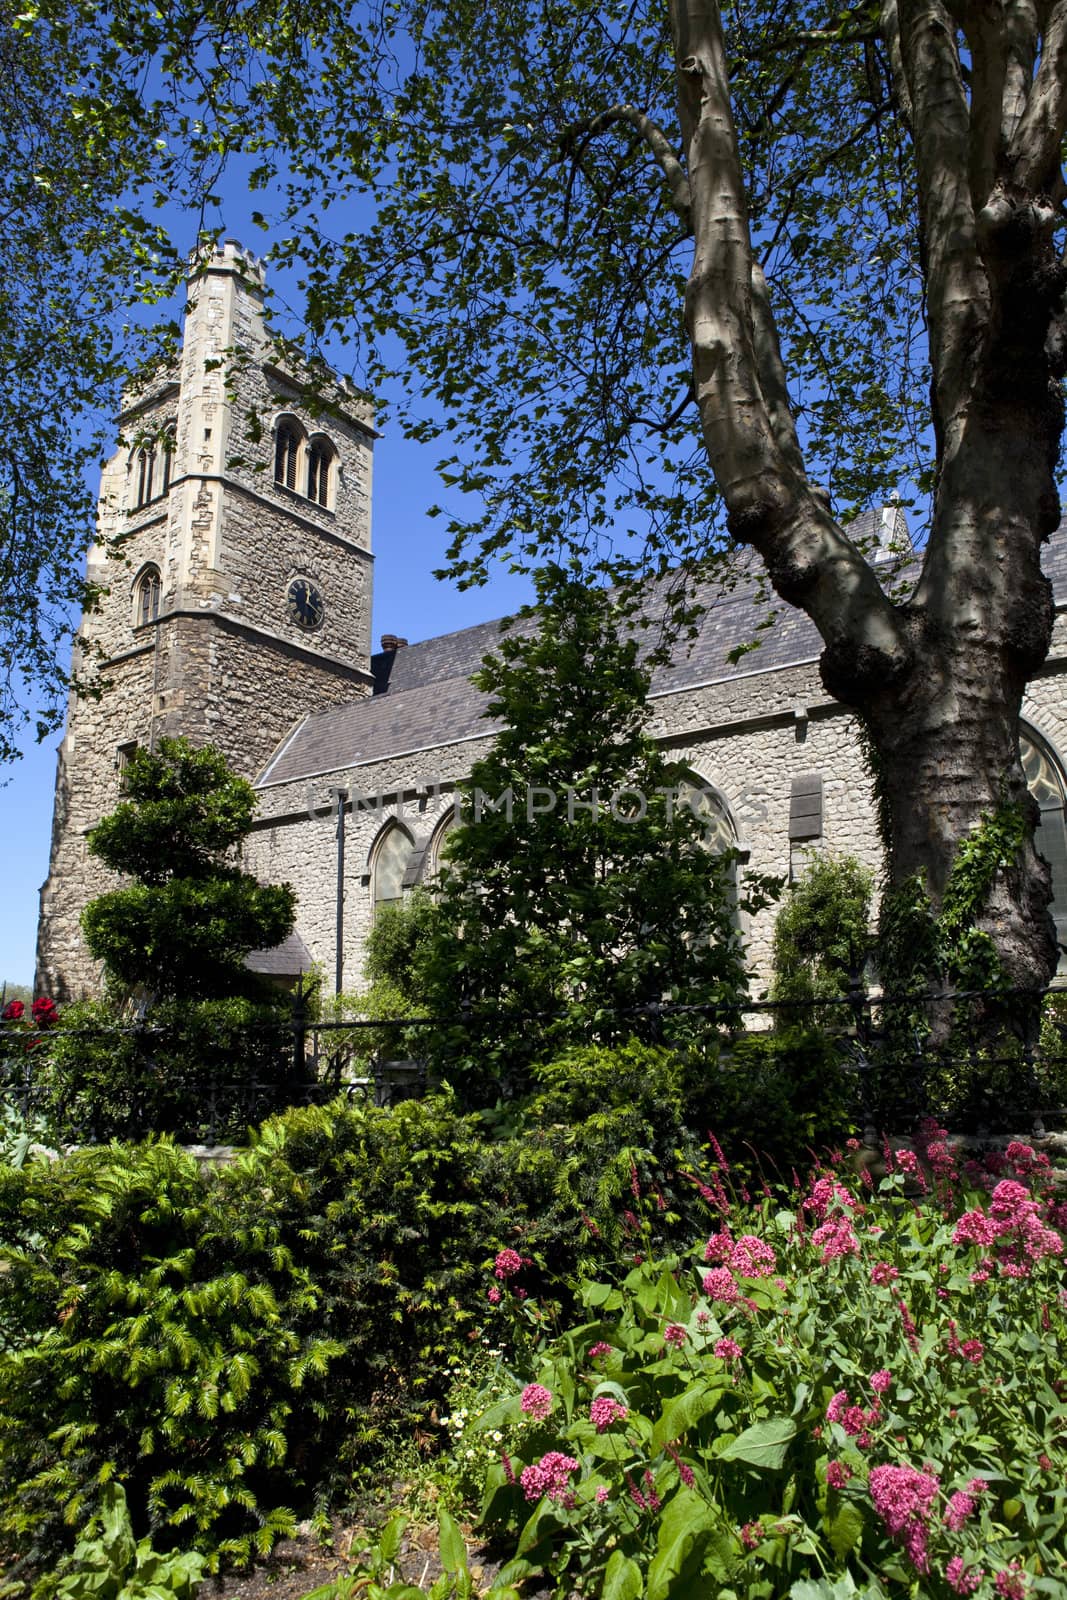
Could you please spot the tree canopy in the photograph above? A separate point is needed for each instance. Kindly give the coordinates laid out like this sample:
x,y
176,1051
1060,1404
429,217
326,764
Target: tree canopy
x,y
671,280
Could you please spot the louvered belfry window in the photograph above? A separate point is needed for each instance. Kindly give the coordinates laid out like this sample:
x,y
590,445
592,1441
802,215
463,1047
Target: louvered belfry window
x,y
286,451
318,474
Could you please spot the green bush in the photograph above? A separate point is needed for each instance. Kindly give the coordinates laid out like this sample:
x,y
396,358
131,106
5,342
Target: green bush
x,y
200,1070
821,934
233,1347
786,1095
150,1339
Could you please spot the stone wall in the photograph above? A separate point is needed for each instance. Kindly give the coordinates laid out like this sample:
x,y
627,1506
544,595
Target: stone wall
x,y
748,738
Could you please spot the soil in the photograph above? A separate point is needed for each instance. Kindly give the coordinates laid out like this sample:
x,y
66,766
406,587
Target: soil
x,y
297,1566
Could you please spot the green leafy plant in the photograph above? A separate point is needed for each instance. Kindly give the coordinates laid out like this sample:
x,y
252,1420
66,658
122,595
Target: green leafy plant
x,y
108,1564
821,934
850,1395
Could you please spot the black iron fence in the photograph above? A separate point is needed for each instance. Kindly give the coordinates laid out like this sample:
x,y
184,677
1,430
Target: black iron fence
x,y
1003,1065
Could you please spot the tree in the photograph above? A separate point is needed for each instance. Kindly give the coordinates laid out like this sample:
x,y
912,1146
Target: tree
x,y
186,925
74,260
857,212
578,888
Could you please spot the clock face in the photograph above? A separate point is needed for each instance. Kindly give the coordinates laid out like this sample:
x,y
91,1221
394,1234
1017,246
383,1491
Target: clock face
x,y
305,604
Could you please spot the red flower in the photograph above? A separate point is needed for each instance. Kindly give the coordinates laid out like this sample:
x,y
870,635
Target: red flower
x,y
43,1011
14,1011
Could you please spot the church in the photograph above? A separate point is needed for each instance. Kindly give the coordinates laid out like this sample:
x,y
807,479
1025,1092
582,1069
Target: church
x,y
237,575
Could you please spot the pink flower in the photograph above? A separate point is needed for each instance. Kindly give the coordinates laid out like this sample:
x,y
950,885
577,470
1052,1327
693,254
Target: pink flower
x,y
964,1580
972,1350
826,1192
685,1472
752,1258
550,1476
728,1350
974,1227
674,1334
881,1380
751,1534
507,1263
903,1497
1022,1157
910,1330
837,1474
719,1246
719,1285
604,1411
835,1238
602,1494
961,1506
494,1296
536,1401
1011,1582
601,1348
1010,1199
883,1274
650,1491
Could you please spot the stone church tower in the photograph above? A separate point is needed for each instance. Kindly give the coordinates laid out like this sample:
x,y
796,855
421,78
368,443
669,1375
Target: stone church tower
x,y
234,559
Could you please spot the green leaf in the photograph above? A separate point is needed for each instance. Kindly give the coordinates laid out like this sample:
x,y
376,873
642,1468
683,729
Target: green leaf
x,y
682,1412
452,1548
622,1578
846,1530
684,1528
764,1445
392,1534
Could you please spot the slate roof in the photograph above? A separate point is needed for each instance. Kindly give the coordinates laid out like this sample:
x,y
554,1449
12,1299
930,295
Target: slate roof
x,y
423,697
286,960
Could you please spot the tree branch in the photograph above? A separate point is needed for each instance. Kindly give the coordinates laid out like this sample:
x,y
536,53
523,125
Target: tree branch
x,y
891,35
656,140
1022,27
986,37
956,289
739,379
1034,152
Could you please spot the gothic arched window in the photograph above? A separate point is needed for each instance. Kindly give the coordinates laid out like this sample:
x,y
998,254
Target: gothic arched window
x,y
1045,782
146,592
392,854
287,446
319,458
146,466
719,832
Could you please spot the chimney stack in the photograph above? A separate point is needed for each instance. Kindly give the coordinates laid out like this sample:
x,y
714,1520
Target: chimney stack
x,y
391,642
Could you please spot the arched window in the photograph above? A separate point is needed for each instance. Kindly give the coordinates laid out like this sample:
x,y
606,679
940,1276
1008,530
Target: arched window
x,y
287,446
392,855
146,593
1045,782
319,458
719,832
146,466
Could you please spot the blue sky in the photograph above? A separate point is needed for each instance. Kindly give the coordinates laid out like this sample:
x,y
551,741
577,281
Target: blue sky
x,y
407,601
